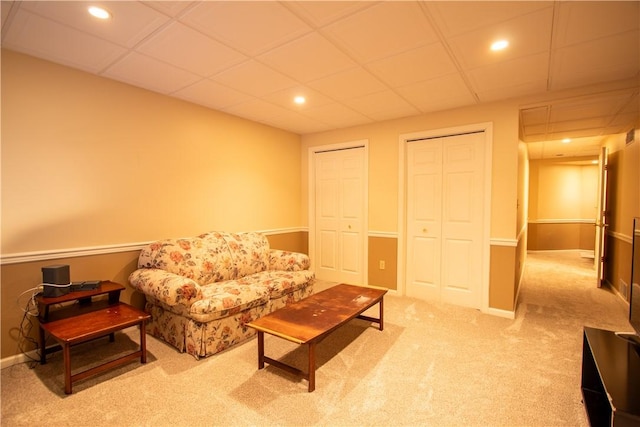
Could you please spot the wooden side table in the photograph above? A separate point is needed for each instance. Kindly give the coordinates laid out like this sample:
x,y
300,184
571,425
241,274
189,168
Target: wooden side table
x,y
90,316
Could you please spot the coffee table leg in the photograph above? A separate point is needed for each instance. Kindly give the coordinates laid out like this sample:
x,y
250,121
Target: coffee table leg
x,y
312,366
381,324
260,350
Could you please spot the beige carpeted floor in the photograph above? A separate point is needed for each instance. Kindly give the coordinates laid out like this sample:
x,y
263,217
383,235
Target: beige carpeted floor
x,y
433,364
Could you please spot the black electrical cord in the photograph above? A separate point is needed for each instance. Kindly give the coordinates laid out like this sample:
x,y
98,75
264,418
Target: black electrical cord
x,y
24,338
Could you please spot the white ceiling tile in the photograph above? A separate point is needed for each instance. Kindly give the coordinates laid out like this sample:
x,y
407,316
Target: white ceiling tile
x,y
130,21
308,58
536,132
459,17
6,10
254,78
620,122
149,73
298,123
337,115
438,94
321,13
521,76
385,29
170,8
243,26
534,114
589,107
32,34
383,105
213,95
273,115
580,21
423,63
352,83
576,125
605,59
257,108
518,90
527,35
191,50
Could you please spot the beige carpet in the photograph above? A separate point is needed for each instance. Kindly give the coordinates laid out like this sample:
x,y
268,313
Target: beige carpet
x,y
433,364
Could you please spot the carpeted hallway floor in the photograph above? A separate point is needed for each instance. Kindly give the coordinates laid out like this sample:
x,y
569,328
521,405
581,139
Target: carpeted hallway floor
x,y
434,364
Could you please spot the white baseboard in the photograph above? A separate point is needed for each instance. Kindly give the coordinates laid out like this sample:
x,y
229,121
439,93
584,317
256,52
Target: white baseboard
x,y
19,358
507,314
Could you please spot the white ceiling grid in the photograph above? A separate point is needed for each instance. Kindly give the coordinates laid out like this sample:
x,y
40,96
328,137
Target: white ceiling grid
x,y
356,62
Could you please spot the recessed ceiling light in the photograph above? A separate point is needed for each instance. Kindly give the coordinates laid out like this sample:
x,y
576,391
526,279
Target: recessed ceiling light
x,y
566,140
99,12
299,100
499,45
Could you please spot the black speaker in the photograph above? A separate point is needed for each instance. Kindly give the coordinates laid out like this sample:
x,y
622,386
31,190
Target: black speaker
x,y
56,275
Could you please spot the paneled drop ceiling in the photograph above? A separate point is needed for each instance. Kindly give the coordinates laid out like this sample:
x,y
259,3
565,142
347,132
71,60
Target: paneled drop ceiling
x,y
358,62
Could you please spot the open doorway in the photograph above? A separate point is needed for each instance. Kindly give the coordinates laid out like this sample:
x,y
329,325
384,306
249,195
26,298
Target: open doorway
x,y
563,205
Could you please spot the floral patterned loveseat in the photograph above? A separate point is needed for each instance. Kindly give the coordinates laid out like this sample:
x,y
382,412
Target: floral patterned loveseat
x,y
202,291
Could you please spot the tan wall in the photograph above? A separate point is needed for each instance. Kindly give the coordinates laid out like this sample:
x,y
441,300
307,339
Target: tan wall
x,y
88,161
562,204
624,205
294,241
383,249
561,237
502,293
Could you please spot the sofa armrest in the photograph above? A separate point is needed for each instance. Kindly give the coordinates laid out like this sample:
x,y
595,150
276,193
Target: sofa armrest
x,y
288,261
169,288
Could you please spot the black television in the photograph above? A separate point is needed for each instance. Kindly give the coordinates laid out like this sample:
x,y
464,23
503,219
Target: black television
x,y
634,299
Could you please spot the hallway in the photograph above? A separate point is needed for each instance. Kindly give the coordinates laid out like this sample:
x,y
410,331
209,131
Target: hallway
x,y
563,284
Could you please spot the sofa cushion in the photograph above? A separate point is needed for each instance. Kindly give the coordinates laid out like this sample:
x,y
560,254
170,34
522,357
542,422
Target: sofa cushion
x,y
226,299
279,283
203,260
250,252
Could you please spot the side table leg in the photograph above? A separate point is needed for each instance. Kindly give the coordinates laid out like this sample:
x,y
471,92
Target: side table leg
x,y
260,350
381,313
43,351
312,366
143,342
66,350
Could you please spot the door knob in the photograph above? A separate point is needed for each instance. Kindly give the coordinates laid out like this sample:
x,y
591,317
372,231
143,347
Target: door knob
x,y
424,230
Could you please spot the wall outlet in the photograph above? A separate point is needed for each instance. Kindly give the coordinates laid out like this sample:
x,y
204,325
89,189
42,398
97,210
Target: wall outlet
x,y
382,265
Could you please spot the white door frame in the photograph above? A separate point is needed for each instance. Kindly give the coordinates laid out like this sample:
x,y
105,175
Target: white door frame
x,y
602,216
487,128
363,143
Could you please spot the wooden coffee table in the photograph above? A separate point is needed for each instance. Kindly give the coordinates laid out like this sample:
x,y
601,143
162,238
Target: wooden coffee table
x,y
310,320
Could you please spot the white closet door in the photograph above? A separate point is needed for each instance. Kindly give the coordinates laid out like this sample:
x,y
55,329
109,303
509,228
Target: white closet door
x,y
445,217
424,211
339,207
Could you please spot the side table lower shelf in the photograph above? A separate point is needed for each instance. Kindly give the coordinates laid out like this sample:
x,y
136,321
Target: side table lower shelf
x,y
94,324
